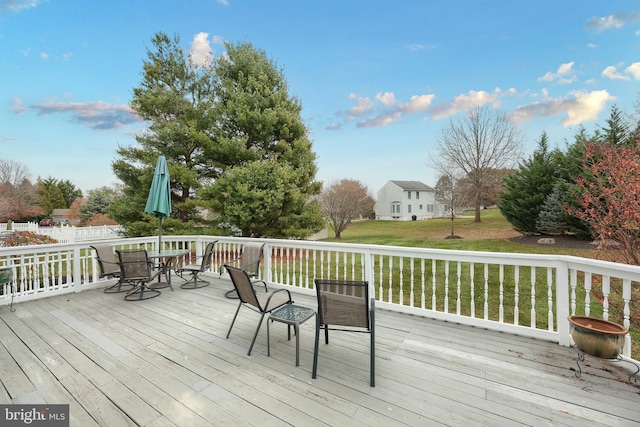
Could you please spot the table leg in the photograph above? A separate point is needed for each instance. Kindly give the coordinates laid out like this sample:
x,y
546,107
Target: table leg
x,y
167,272
268,340
296,329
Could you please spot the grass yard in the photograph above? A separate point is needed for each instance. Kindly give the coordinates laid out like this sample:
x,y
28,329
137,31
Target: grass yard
x,y
493,234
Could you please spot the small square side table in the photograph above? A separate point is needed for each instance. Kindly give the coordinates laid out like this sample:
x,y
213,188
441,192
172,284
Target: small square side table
x,y
291,315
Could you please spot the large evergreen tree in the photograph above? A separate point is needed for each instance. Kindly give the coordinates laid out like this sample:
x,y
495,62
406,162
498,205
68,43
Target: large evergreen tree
x,y
527,188
259,128
176,98
206,120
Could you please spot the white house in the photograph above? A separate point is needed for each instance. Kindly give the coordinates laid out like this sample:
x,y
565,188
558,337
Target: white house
x,y
406,201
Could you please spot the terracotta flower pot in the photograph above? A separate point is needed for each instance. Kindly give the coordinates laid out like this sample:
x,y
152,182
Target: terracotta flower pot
x,y
597,337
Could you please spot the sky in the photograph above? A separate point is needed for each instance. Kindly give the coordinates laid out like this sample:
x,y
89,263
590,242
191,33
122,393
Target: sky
x,y
378,81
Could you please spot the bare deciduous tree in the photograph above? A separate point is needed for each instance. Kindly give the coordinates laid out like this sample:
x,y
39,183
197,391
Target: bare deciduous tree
x,y
451,195
480,142
19,199
12,172
344,201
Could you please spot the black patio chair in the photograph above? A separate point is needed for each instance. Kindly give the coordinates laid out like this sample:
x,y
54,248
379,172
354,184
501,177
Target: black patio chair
x,y
248,261
136,269
196,269
344,306
109,267
262,303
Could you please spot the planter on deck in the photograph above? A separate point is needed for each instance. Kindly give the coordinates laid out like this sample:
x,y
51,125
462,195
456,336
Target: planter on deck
x,y
597,337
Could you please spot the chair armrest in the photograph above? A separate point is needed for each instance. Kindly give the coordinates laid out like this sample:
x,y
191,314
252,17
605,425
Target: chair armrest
x,y
275,292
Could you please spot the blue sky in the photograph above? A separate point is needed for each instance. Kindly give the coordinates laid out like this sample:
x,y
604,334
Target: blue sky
x,y
378,80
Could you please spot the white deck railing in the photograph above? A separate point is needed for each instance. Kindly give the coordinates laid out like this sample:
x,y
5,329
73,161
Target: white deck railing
x,y
68,233
524,294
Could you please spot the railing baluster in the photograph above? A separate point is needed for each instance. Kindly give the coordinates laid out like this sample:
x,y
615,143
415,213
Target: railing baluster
x,y
516,295
550,298
459,289
472,285
433,285
411,283
486,291
446,286
422,285
606,290
533,297
401,281
501,294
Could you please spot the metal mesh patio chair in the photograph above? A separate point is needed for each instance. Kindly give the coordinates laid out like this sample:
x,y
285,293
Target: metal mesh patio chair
x,y
344,306
248,261
195,269
262,303
136,269
109,267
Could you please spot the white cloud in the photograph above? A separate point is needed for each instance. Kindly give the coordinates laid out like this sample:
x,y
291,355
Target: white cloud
x,y
224,2
363,107
44,56
634,70
612,73
603,23
473,98
96,115
218,40
381,120
417,103
200,53
615,21
17,106
18,5
563,75
387,98
586,106
579,108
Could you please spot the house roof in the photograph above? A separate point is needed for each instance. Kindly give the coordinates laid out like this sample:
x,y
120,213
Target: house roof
x,y
412,185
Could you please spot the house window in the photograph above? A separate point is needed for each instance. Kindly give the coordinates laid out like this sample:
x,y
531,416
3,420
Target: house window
x,y
395,208
409,208
417,195
429,208
420,207
409,194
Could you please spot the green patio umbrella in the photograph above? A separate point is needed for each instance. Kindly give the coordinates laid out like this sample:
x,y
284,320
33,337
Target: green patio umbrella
x,y
159,200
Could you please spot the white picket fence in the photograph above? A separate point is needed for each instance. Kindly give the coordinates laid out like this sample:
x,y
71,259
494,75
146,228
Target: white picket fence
x,y
68,233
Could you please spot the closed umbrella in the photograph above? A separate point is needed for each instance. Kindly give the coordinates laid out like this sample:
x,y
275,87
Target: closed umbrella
x,y
159,200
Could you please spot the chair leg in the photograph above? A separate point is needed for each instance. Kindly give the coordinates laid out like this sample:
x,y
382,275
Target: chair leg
x,y
137,293
117,287
253,341
326,334
194,282
315,348
234,320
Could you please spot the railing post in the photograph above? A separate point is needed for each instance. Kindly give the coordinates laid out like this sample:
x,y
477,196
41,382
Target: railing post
x,y
267,263
77,275
368,272
562,304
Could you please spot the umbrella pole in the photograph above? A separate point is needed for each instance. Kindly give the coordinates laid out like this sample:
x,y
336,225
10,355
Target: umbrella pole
x,y
160,236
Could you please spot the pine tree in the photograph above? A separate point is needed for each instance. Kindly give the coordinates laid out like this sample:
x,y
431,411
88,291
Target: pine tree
x,y
527,188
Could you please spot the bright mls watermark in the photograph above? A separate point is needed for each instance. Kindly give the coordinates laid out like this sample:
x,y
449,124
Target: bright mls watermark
x,y
34,415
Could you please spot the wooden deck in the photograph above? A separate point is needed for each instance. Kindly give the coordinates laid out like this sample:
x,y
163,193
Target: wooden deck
x,y
166,362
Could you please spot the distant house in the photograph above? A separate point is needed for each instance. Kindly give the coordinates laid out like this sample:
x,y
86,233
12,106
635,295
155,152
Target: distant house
x,y
62,216
406,201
